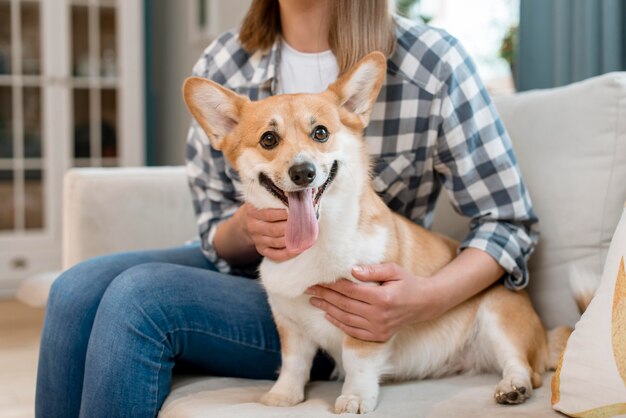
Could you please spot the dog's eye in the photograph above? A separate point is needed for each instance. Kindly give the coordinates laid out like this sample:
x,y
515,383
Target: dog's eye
x,y
269,140
320,134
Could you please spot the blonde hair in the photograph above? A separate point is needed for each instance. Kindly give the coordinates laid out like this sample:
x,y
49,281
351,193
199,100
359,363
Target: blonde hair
x,y
357,28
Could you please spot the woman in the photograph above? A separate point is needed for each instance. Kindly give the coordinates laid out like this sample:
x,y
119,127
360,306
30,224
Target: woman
x,y
116,325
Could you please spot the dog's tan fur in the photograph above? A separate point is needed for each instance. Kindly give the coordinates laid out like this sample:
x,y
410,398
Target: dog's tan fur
x,y
496,330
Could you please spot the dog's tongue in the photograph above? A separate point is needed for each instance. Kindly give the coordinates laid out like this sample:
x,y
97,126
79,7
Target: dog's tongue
x,y
301,231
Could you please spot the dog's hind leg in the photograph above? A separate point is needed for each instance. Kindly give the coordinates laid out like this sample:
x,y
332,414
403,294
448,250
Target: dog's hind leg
x,y
517,379
514,340
363,362
297,352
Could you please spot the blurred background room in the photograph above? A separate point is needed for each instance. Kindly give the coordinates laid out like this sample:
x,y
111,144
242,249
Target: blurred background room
x,y
96,83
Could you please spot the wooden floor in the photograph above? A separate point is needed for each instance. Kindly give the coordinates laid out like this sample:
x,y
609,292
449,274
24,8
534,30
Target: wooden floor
x,y
20,327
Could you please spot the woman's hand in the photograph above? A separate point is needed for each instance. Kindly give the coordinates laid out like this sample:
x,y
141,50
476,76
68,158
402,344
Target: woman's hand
x,y
266,230
250,232
375,313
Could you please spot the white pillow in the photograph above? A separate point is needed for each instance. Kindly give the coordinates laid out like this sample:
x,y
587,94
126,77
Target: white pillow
x,y
571,146
591,377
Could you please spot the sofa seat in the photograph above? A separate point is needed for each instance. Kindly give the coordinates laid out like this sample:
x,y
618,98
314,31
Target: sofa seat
x,y
466,396
571,146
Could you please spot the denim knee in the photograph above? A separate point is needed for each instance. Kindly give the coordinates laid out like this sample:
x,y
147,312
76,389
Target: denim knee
x,y
79,288
135,296
137,283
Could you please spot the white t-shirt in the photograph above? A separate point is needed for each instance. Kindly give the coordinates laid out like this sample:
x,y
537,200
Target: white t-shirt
x,y
301,72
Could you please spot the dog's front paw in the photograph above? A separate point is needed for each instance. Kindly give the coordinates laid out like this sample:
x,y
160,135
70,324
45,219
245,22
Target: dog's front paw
x,y
509,392
354,404
281,399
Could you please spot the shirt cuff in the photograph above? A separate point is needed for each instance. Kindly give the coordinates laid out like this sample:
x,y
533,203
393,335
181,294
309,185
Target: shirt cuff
x,y
501,244
209,250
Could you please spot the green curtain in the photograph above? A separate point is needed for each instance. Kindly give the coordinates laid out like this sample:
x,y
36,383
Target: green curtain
x,y
563,41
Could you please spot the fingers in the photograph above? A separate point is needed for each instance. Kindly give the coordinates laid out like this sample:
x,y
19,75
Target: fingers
x,y
269,240
360,333
257,227
276,254
267,231
343,316
273,248
343,289
346,317
344,301
268,215
377,272
263,241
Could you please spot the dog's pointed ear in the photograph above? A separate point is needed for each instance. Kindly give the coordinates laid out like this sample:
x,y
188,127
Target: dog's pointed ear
x,y
358,88
214,107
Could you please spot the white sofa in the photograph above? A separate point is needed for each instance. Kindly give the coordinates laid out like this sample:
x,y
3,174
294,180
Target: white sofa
x,y
571,146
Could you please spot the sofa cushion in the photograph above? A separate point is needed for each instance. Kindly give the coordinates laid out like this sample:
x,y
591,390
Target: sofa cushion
x,y
459,396
591,376
107,210
571,146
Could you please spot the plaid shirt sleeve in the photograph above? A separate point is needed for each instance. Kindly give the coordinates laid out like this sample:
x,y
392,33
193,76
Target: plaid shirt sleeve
x,y
479,171
213,191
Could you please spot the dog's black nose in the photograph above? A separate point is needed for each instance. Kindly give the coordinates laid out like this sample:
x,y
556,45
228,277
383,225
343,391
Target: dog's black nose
x,y
302,174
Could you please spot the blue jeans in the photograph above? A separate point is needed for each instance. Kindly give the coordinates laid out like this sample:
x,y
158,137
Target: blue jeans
x,y
117,325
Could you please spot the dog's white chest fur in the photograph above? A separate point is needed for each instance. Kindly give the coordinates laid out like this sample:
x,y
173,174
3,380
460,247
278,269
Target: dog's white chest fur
x,y
340,247
337,250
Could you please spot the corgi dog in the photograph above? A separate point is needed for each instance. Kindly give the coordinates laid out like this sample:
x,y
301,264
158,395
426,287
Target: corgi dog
x,y
306,153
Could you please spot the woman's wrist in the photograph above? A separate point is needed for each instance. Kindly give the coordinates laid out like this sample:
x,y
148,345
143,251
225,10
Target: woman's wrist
x,y
239,226
440,292
232,241
429,297
468,274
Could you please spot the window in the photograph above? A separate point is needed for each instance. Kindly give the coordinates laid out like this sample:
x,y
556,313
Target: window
x,y
484,27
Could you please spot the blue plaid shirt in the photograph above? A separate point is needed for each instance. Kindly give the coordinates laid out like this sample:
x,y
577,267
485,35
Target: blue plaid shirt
x,y
433,125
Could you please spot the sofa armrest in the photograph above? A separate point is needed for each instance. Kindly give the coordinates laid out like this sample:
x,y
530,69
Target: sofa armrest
x,y
108,210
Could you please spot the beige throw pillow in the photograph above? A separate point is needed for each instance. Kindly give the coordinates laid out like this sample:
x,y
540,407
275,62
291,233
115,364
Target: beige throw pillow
x,y
590,380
